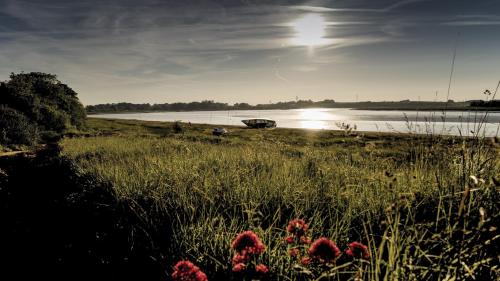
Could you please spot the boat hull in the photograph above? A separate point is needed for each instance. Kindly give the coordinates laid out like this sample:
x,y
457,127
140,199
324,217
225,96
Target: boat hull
x,y
259,123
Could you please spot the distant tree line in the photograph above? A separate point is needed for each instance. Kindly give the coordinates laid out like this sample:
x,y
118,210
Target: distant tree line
x,y
482,103
209,105
37,107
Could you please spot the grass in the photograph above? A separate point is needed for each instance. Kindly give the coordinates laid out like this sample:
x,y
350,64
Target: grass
x,y
410,198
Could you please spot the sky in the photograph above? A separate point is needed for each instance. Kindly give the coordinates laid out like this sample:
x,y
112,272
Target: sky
x,y
255,51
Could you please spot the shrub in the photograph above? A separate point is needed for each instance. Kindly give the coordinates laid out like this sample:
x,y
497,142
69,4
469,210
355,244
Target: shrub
x,y
16,128
177,127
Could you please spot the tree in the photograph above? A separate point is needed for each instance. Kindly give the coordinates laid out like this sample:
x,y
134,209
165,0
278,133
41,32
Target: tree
x,y
45,103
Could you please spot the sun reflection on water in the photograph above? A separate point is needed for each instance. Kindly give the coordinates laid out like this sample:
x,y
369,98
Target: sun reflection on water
x,y
315,118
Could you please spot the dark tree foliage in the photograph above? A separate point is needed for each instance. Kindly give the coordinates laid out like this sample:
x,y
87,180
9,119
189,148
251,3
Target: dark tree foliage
x,y
15,127
46,107
482,103
207,105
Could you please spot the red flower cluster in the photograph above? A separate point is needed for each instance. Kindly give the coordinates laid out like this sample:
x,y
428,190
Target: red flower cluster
x,y
187,271
261,269
297,227
358,250
305,240
248,243
239,267
298,230
324,251
248,246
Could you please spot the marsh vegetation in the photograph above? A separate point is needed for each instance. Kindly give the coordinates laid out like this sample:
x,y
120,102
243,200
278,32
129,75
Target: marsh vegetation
x,y
426,206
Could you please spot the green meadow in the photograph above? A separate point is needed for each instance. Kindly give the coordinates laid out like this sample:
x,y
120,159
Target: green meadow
x,y
426,206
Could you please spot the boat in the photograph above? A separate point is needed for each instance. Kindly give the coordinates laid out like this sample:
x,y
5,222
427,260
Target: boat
x,y
259,123
219,132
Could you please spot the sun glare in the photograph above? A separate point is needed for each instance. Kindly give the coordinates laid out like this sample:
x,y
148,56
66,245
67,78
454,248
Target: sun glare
x,y
314,118
309,30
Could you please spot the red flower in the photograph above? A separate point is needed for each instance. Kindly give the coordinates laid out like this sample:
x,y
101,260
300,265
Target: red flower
x,y
305,261
241,258
187,271
305,240
200,276
297,227
293,252
358,250
324,250
261,269
289,239
248,242
239,267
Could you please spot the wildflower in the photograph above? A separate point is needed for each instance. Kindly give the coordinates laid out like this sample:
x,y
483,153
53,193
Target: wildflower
x,y
261,269
305,261
187,271
200,276
249,242
358,250
293,252
239,267
324,250
297,227
241,258
305,240
289,239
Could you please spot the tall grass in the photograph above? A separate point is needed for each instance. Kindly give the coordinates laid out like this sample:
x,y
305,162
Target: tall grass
x,y
411,199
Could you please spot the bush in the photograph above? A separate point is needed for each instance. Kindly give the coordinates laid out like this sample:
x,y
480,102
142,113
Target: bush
x,y
178,127
16,128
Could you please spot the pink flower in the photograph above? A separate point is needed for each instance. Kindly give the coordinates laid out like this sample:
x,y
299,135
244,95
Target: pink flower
x,y
261,269
297,227
358,250
324,250
239,267
289,239
293,252
248,241
187,271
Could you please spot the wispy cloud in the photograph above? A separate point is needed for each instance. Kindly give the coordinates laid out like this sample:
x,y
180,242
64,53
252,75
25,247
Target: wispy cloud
x,y
474,20
471,23
387,8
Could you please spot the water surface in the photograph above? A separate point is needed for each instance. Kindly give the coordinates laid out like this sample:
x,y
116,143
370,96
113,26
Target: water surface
x,y
452,122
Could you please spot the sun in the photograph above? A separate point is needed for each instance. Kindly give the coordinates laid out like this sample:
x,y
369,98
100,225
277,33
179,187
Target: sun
x,y
309,30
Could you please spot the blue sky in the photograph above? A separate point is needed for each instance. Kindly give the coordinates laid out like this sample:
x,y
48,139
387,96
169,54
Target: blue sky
x,y
255,51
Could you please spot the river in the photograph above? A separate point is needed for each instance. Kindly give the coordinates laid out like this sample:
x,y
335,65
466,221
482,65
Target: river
x,y
423,122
